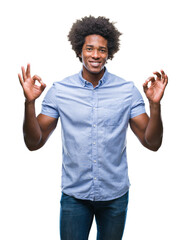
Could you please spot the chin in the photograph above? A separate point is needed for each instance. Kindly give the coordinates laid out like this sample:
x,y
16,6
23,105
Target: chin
x,y
95,70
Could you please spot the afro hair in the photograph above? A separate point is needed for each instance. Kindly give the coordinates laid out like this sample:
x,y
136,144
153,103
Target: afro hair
x,y
91,25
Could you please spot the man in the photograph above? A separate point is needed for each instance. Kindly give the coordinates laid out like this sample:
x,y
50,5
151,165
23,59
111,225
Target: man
x,y
95,108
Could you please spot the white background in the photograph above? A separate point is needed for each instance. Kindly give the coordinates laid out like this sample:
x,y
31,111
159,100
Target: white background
x,y
153,38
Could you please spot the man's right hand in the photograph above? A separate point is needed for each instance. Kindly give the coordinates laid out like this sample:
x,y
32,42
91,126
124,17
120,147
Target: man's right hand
x,y
31,90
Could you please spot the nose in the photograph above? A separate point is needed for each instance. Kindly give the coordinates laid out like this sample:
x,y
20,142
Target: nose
x,y
95,54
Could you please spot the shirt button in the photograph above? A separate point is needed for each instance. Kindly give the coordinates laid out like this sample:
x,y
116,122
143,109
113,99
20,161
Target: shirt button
x,y
95,178
94,108
94,125
95,161
94,143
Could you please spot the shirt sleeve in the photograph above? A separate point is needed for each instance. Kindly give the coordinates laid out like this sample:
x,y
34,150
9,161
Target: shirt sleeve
x,y
137,105
49,106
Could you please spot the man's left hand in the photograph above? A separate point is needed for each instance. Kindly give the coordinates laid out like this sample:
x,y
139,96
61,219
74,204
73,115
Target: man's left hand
x,y
155,91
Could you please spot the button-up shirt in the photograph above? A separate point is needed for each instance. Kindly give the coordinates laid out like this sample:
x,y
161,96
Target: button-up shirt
x,y
94,123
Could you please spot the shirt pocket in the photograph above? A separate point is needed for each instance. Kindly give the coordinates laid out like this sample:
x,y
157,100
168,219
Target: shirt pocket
x,y
114,113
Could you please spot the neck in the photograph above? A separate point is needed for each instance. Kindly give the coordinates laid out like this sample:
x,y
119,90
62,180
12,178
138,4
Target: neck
x,y
92,77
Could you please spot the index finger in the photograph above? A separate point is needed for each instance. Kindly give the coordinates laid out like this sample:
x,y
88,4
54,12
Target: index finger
x,y
158,75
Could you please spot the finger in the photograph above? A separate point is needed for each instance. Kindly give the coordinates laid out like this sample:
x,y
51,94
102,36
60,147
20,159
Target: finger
x,y
20,79
145,85
42,84
166,80
37,78
163,76
23,73
28,71
158,75
150,79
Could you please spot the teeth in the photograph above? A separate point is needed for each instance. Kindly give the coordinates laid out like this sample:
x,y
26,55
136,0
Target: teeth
x,y
95,64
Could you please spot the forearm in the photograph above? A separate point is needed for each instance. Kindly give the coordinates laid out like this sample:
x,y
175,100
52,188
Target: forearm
x,y
31,129
154,130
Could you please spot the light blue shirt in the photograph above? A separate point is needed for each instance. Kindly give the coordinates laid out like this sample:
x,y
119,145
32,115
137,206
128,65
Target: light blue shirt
x,y
94,124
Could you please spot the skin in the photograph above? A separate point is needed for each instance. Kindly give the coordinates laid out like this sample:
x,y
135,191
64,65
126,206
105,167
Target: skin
x,y
94,56
36,130
149,130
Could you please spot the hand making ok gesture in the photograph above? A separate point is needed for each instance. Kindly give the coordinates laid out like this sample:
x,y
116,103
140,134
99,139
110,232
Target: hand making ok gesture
x,y
155,91
28,83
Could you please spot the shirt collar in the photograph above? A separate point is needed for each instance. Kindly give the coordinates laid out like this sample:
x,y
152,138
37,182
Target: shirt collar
x,y
101,81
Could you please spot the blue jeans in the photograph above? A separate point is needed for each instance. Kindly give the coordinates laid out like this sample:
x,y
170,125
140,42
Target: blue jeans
x,y
76,218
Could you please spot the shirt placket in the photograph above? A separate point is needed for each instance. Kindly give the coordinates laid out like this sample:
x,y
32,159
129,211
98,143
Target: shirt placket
x,y
94,144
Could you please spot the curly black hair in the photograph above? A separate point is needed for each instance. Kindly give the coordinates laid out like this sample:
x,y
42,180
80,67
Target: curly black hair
x,y
91,25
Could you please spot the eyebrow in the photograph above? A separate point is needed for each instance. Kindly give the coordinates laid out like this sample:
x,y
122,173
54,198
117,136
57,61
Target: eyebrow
x,y
88,45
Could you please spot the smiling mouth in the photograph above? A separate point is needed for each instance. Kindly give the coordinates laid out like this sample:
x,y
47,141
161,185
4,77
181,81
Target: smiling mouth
x,y
94,64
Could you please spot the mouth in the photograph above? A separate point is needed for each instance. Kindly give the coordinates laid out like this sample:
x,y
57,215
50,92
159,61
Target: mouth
x,y
94,63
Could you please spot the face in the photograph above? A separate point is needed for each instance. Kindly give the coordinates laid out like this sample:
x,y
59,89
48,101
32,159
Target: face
x,y
94,54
